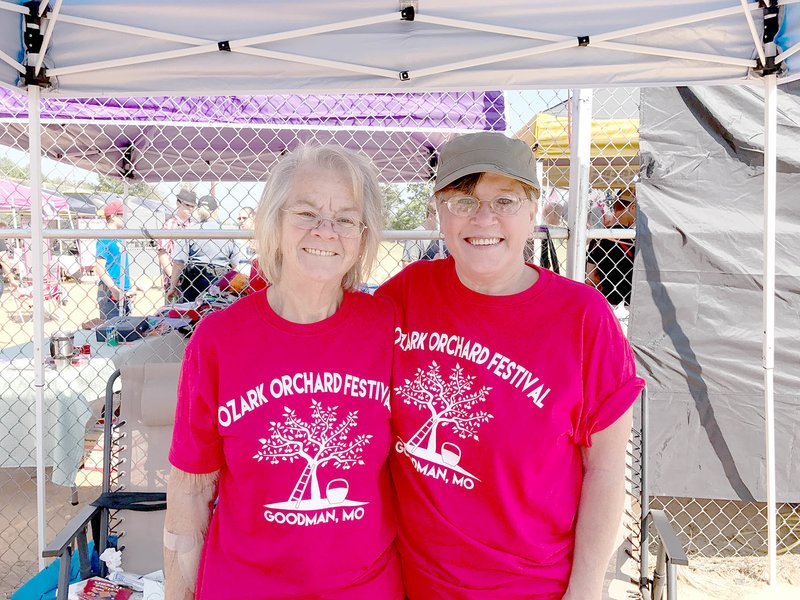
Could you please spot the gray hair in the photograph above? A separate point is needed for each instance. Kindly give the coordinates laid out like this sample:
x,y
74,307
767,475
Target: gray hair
x,y
366,192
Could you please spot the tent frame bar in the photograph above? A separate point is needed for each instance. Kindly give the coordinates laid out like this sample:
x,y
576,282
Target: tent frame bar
x,y
754,34
48,32
17,8
558,42
204,46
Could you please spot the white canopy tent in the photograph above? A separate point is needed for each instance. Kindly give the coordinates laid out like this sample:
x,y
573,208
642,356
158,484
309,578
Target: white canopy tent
x,y
162,47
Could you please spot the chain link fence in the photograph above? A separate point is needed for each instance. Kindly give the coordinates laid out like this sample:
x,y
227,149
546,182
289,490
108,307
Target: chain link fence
x,y
179,152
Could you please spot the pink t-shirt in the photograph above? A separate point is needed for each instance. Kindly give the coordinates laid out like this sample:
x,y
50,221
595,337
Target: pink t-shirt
x,y
168,246
296,418
493,398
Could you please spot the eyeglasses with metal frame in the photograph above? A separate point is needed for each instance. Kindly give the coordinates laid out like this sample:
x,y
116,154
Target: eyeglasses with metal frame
x,y
468,206
348,227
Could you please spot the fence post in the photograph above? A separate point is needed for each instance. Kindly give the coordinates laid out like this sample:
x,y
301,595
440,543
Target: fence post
x,y
579,162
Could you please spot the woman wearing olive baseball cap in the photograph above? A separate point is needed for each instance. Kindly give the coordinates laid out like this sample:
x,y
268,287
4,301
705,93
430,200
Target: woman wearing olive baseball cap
x,y
512,399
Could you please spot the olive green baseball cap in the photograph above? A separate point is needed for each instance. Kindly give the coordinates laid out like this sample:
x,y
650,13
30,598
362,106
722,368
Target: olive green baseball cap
x,y
485,152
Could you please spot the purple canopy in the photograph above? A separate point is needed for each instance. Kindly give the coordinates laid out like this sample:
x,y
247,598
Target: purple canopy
x,y
238,138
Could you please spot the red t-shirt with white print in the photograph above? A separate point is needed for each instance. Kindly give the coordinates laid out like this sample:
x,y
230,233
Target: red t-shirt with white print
x,y
296,418
493,398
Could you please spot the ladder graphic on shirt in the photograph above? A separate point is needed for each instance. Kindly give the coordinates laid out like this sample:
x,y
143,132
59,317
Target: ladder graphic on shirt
x,y
322,440
301,486
453,400
421,434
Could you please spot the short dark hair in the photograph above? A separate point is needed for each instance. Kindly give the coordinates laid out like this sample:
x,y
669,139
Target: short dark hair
x,y
468,183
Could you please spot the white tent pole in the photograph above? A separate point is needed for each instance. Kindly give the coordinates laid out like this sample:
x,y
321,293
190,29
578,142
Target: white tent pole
x,y
787,53
579,160
38,251
770,169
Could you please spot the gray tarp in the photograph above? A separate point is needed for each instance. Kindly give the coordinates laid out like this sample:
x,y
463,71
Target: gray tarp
x,y
696,323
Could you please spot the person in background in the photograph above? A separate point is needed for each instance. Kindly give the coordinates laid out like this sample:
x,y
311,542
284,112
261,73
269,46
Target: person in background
x,y
245,221
6,268
609,262
185,203
283,408
425,249
197,263
112,268
512,401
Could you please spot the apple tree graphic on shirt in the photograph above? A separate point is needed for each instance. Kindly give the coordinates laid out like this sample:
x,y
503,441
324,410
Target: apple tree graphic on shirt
x,y
322,441
452,403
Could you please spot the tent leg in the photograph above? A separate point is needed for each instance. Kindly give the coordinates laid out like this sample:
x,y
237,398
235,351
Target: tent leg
x,y
770,166
38,254
579,161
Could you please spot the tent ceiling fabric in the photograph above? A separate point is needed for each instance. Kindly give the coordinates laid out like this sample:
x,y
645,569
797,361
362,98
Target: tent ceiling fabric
x,y
143,47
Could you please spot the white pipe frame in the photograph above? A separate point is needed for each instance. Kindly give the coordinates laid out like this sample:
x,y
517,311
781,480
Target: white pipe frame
x,y
559,42
578,202
48,32
770,203
753,33
38,254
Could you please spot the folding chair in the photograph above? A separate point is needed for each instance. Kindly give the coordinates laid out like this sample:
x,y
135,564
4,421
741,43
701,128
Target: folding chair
x,y
669,550
131,506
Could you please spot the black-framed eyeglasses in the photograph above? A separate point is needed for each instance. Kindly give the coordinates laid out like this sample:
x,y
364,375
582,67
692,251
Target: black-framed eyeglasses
x,y
348,227
467,206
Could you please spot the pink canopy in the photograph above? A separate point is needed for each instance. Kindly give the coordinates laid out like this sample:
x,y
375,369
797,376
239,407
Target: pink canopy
x,y
17,196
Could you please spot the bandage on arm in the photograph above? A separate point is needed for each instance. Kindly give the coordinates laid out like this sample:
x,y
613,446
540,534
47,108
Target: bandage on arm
x,y
190,499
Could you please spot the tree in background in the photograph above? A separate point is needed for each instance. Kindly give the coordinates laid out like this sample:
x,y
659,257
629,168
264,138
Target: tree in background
x,y
11,170
405,204
104,184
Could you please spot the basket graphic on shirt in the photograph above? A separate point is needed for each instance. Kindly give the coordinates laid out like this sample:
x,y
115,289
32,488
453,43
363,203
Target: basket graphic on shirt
x,y
322,441
451,402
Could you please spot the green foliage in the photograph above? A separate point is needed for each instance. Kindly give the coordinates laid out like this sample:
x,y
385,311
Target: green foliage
x,y
116,186
11,170
22,173
405,204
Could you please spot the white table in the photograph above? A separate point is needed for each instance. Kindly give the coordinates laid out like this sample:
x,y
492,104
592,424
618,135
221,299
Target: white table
x,y
72,396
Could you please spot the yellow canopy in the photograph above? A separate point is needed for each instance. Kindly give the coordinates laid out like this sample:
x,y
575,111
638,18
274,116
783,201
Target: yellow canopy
x,y
614,149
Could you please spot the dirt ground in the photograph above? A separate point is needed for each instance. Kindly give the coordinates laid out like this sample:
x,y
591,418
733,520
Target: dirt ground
x,y
738,578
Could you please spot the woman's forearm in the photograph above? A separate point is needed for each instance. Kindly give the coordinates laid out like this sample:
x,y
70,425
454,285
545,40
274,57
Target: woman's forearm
x,y
190,500
600,509
599,518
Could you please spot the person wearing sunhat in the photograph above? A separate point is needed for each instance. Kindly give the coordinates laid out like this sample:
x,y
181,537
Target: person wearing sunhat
x,y
112,268
197,263
185,203
512,401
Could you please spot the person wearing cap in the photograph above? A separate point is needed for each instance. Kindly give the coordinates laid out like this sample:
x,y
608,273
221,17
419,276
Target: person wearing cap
x,y
197,263
512,401
185,203
609,262
112,268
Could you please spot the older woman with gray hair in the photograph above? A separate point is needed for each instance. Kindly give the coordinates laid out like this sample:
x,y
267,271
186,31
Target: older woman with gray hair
x,y
283,407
